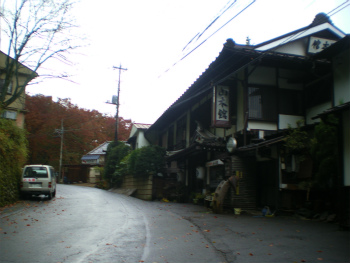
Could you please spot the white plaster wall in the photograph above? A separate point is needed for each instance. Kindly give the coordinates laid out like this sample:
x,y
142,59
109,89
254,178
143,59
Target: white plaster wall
x,y
240,108
141,141
133,131
285,120
254,125
312,112
220,132
297,47
341,69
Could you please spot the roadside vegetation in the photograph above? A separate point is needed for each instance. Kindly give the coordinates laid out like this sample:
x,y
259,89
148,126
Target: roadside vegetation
x,y
320,148
140,163
13,154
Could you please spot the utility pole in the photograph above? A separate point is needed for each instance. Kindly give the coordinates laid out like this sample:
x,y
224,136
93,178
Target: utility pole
x,y
60,133
117,104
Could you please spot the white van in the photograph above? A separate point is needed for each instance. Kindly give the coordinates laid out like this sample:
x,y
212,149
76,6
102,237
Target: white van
x,y
38,179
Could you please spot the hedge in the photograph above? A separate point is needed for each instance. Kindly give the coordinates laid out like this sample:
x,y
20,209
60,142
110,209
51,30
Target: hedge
x,y
13,154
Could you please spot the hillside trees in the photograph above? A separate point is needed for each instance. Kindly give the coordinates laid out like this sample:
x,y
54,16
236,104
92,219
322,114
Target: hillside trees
x,y
83,130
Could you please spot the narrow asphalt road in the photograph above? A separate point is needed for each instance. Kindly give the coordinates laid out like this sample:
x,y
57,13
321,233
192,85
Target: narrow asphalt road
x,y
85,224
91,225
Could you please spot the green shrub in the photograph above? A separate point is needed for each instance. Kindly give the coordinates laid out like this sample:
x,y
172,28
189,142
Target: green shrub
x,y
13,154
121,161
115,154
324,152
146,161
121,170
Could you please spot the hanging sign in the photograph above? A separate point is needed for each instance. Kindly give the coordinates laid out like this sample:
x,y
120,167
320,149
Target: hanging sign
x,y
221,106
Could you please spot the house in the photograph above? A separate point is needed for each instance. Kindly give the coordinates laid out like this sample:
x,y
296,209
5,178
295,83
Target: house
x,y
231,122
94,159
16,109
88,171
339,55
137,135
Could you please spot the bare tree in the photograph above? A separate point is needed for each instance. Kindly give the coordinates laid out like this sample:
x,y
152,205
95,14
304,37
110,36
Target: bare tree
x,y
37,31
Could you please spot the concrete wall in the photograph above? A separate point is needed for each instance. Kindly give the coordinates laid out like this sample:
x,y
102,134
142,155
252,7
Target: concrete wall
x,y
94,175
143,186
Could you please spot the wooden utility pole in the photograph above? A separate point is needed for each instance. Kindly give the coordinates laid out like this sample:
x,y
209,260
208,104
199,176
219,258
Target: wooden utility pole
x,y
117,104
60,133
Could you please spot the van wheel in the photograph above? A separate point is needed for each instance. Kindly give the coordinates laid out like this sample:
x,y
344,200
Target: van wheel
x,y
54,193
50,196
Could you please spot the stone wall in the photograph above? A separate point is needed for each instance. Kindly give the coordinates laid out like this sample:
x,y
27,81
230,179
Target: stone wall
x,y
143,186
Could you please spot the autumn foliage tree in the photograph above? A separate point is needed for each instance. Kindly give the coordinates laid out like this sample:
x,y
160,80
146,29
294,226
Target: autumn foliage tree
x,y
83,130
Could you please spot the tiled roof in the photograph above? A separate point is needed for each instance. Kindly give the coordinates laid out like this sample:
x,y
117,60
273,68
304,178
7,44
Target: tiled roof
x,y
142,126
335,109
101,149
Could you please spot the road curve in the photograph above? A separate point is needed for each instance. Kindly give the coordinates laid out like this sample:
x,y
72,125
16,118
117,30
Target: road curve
x,y
84,224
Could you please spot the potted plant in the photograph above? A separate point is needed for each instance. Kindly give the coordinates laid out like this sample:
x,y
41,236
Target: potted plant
x,y
198,198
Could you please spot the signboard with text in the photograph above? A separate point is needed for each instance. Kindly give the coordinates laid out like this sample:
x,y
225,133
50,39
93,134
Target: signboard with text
x,y
317,44
221,106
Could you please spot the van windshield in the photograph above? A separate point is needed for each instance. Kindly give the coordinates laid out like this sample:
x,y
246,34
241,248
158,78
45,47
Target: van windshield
x,y
36,172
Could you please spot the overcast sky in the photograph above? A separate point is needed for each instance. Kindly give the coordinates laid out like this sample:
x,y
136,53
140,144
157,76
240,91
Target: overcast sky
x,y
148,38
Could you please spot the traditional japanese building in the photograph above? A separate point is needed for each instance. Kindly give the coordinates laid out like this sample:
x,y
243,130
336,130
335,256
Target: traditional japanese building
x,y
231,122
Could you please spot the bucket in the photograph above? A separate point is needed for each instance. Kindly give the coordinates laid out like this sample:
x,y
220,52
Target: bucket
x,y
237,211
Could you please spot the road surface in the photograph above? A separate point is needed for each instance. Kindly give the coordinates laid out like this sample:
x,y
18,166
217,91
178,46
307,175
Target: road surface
x,y
84,224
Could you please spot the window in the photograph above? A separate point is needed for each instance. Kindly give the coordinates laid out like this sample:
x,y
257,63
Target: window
x,y
9,88
181,133
37,172
171,138
12,115
262,103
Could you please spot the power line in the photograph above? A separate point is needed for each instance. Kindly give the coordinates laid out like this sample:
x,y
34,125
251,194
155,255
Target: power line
x,y
264,53
186,55
223,10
